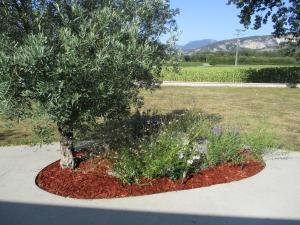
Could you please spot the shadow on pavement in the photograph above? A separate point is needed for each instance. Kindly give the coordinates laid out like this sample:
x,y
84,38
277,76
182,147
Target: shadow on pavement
x,y
12,213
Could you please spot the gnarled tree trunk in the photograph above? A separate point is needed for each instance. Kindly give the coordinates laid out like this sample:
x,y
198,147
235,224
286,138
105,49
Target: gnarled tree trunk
x,y
66,148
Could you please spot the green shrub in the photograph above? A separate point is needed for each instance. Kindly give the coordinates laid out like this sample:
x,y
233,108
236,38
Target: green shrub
x,y
128,166
259,141
230,145
224,148
170,152
185,143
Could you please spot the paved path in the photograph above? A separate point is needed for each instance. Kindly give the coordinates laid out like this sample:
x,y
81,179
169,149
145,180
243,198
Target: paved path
x,y
271,197
218,84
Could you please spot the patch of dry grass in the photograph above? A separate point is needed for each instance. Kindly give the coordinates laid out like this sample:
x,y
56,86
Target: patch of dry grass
x,y
14,133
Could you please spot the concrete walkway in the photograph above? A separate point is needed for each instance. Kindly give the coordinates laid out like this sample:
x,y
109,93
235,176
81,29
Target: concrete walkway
x,y
223,84
270,197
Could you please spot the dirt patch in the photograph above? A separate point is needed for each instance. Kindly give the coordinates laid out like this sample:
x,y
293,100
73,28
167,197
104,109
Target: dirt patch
x,y
93,180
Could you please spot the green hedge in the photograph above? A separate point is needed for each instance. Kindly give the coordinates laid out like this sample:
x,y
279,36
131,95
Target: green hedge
x,y
254,60
246,57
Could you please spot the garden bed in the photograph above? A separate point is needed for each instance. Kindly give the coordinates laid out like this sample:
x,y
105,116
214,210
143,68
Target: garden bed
x,y
183,150
93,179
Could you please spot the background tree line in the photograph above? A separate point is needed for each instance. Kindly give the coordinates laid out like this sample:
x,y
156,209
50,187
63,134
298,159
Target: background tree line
x,y
283,56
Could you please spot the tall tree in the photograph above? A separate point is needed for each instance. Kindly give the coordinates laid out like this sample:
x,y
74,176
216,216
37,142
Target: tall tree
x,y
80,60
285,14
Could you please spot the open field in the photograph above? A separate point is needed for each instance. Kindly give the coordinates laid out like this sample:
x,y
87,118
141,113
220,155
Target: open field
x,y
252,74
275,110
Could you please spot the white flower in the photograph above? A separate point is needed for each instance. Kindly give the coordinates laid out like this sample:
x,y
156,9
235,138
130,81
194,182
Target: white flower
x,y
181,155
196,157
190,162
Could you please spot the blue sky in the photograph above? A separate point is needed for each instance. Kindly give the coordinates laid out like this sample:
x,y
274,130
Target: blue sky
x,y
202,19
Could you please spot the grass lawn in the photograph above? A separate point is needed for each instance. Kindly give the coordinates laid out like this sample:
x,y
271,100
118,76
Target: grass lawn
x,y
275,110
12,133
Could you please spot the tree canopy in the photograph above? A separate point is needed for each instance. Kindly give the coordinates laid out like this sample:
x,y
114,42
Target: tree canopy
x,y
285,14
79,60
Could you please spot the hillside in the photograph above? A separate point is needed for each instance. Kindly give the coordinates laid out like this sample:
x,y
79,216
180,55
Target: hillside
x,y
194,45
261,43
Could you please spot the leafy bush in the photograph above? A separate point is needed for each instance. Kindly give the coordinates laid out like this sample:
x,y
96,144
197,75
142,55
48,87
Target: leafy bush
x,y
129,166
185,143
222,148
258,140
169,152
172,152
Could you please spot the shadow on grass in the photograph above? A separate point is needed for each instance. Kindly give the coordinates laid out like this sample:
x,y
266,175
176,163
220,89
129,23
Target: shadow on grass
x,y
12,213
126,132
8,134
274,75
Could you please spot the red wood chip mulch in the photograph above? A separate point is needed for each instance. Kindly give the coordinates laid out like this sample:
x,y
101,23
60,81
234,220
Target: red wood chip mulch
x,y
91,180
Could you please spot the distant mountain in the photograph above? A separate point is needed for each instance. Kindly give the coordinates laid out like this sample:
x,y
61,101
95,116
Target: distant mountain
x,y
194,45
262,43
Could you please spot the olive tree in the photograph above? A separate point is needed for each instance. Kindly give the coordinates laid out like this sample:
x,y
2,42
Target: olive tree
x,y
285,15
82,61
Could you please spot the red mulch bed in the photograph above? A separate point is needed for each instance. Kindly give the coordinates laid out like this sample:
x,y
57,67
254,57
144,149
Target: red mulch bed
x,y
91,180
